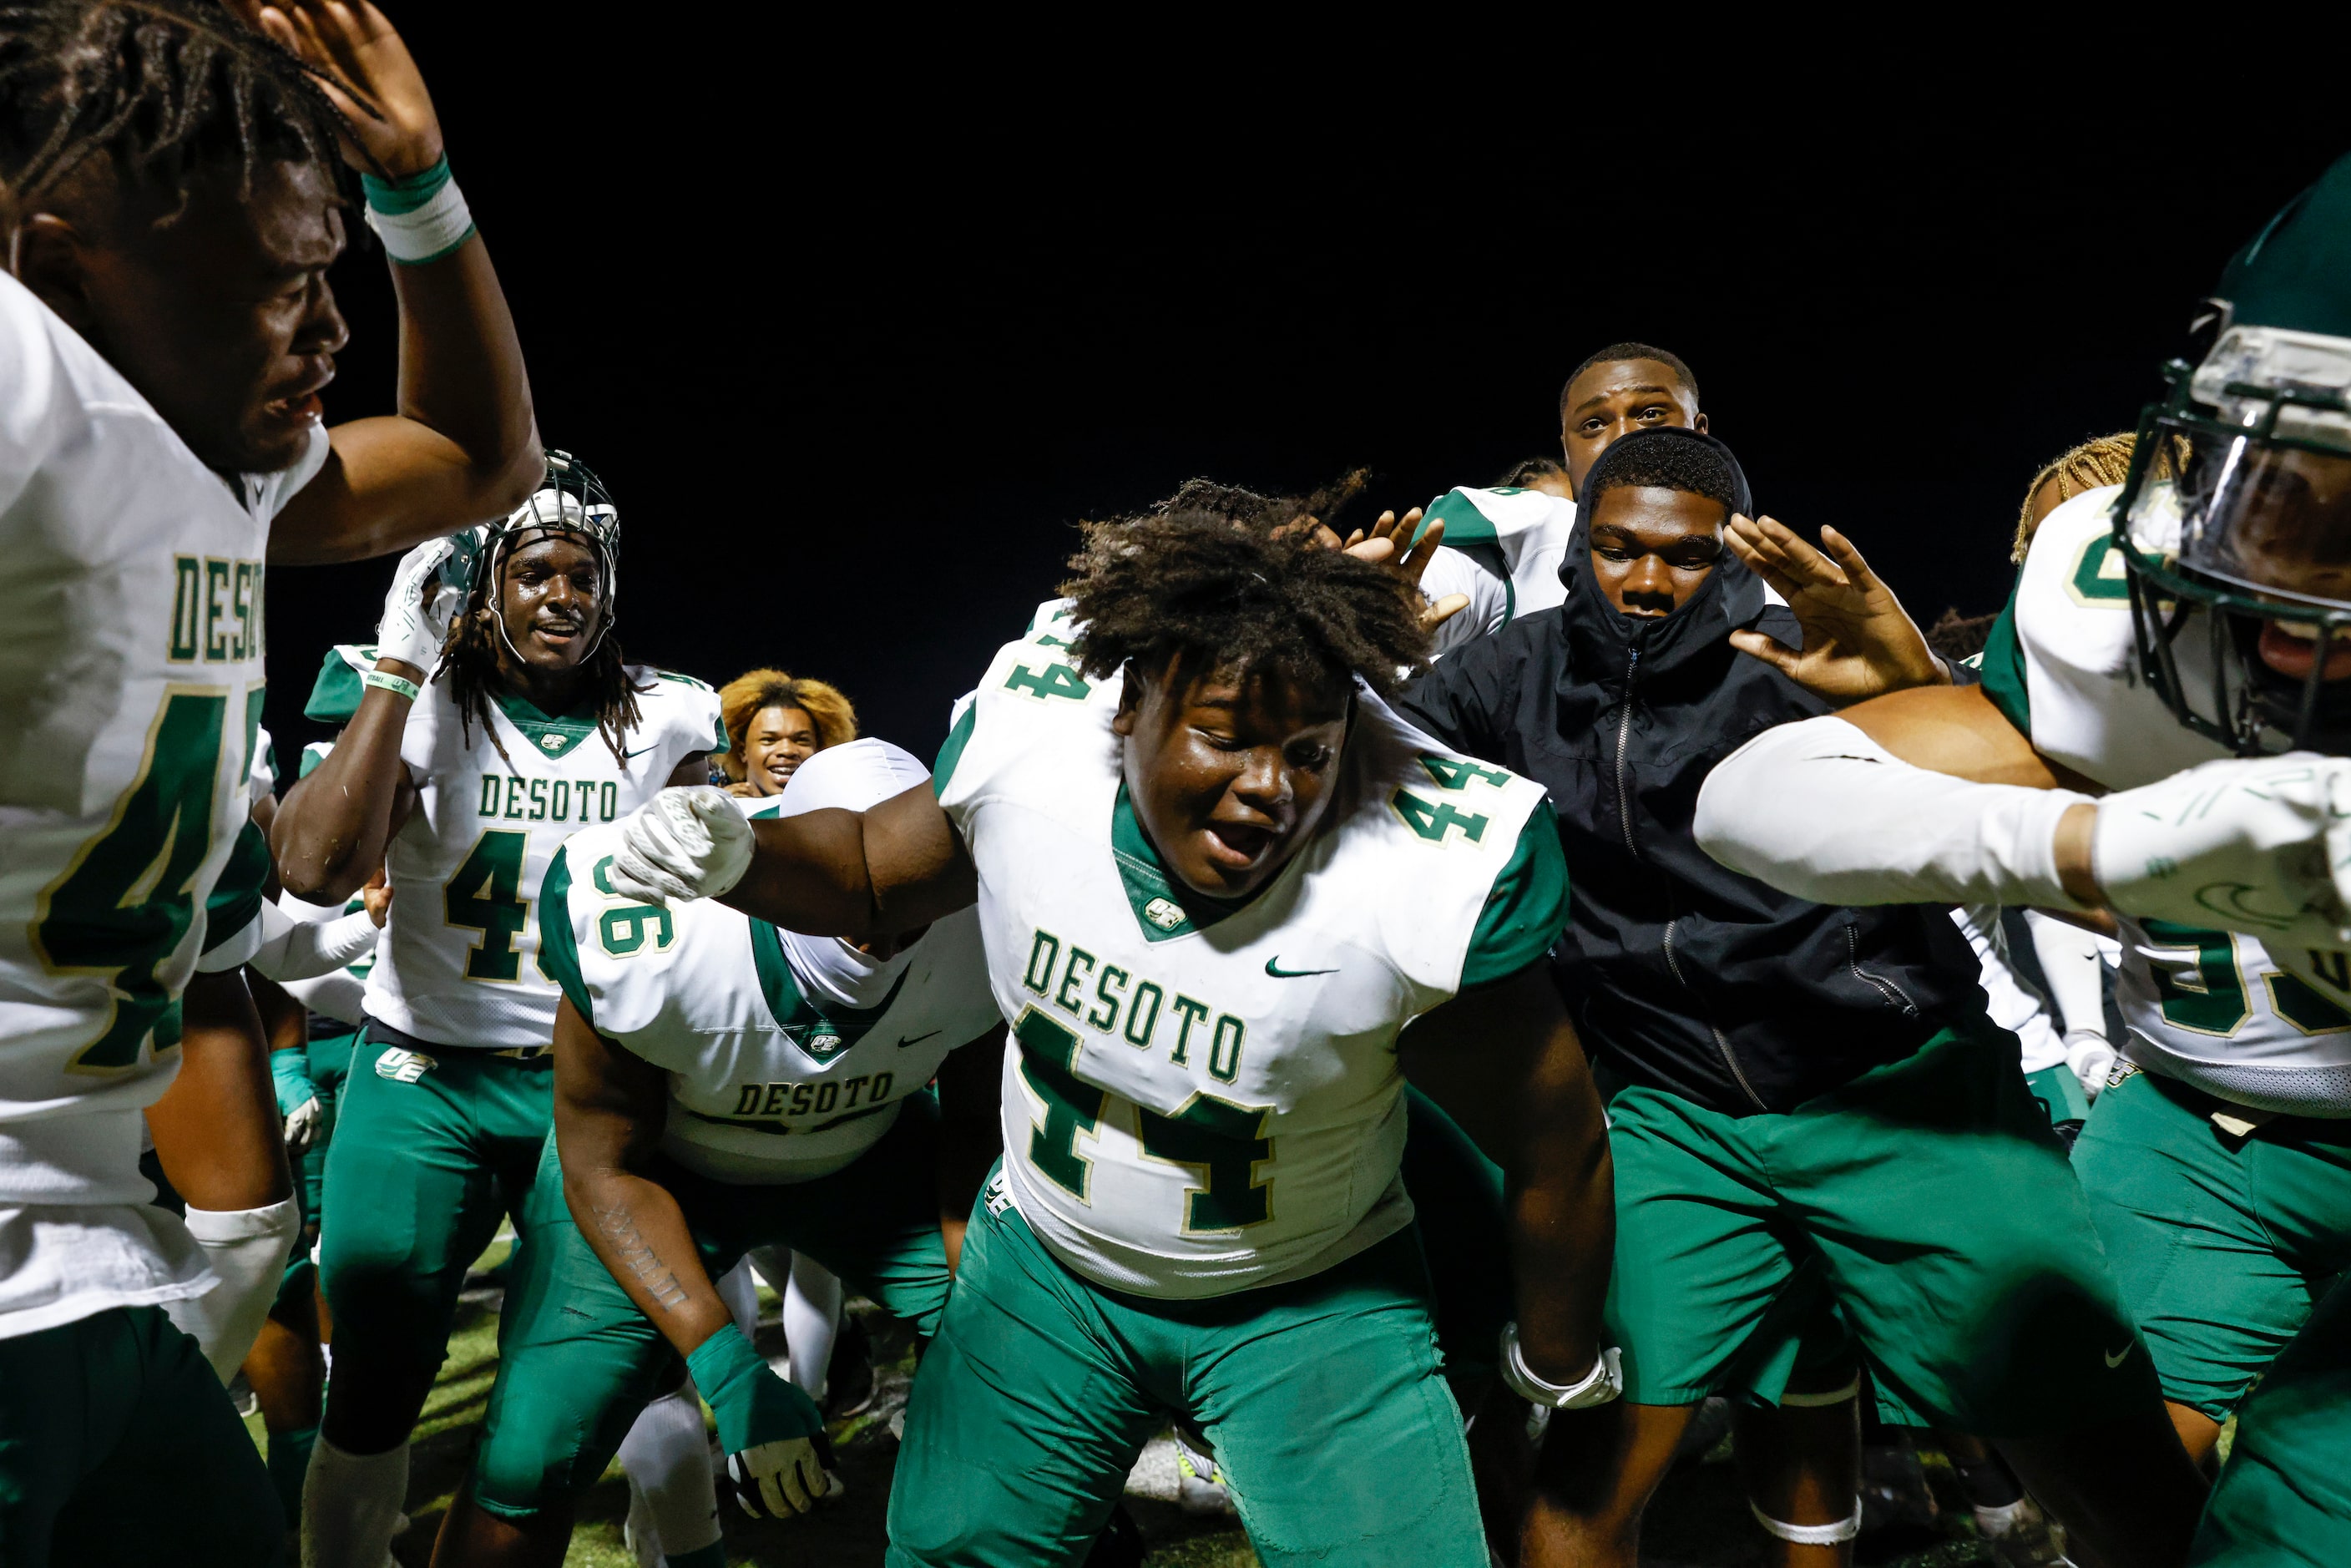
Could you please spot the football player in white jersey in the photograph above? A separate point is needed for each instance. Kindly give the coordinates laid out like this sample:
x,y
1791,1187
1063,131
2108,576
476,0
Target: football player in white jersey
x,y
2186,616
1218,878
494,717
165,328
722,1084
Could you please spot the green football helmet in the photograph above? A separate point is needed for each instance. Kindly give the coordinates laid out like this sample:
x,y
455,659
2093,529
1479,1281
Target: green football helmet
x,y
2238,504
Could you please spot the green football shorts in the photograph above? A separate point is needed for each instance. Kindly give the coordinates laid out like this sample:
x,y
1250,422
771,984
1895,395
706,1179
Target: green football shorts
x,y
1321,1397
431,1147
2219,1244
577,1360
1938,1212
119,1449
2284,1496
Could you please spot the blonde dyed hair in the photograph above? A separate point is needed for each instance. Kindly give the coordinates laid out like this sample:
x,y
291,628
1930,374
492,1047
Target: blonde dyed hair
x,y
748,695
2103,460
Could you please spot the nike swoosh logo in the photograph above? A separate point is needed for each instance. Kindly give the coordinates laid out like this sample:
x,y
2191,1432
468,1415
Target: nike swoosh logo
x,y
640,751
1273,967
2118,1358
916,1040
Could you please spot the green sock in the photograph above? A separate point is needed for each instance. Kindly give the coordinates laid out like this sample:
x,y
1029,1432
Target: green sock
x,y
289,1461
711,1556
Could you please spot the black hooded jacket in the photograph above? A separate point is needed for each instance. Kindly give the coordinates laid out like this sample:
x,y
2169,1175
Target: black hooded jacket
x,y
1682,974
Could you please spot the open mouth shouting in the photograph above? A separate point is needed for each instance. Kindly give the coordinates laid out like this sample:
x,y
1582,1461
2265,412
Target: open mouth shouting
x,y
2291,648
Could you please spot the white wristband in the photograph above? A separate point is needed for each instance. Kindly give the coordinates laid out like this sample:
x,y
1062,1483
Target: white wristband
x,y
1604,1383
417,232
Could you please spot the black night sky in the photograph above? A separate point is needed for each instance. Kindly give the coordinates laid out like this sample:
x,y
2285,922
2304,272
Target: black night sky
x,y
856,334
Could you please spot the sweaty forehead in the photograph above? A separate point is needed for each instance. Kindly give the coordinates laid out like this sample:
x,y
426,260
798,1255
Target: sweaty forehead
x,y
290,220
1266,701
561,551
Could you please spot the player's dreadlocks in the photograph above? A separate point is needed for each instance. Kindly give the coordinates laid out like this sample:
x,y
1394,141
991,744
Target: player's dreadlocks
x,y
1203,579
471,656
163,87
2100,461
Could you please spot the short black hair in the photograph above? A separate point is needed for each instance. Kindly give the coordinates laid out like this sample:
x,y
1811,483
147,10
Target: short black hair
x,y
1532,471
163,87
1669,459
1207,580
1615,351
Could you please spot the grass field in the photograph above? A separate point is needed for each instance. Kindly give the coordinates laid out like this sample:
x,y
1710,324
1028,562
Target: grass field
x,y
1698,1519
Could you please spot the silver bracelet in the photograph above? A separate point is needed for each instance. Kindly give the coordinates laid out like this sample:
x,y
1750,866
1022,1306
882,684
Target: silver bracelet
x,y
1604,1382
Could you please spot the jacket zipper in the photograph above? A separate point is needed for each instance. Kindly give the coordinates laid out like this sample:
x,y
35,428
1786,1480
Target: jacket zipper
x,y
1624,737
1895,995
1730,1057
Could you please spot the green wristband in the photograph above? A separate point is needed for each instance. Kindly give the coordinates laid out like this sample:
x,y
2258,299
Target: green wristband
x,y
749,1403
384,681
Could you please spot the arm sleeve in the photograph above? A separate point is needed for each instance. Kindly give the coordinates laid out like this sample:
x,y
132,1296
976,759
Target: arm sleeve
x,y
1820,810
2076,973
1527,910
339,996
295,949
558,953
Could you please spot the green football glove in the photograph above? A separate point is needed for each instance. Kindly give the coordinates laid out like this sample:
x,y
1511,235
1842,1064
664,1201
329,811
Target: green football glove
x,y
297,1099
777,1452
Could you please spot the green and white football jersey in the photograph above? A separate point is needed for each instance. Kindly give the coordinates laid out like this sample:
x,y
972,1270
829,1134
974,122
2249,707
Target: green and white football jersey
x,y
458,964
787,1056
1503,549
131,688
2208,1008
1205,1097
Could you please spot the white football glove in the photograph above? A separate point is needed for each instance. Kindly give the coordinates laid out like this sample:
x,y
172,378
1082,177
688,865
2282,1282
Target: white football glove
x,y
2252,844
2092,1057
417,610
684,844
303,1126
776,1481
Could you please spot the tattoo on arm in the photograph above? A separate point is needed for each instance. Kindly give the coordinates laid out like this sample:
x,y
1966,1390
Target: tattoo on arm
x,y
620,1228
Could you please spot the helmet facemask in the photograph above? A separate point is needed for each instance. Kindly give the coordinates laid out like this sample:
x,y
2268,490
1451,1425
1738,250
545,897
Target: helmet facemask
x,y
2239,504
570,500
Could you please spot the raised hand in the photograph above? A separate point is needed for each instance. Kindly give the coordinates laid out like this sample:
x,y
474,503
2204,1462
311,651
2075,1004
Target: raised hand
x,y
1859,642
366,72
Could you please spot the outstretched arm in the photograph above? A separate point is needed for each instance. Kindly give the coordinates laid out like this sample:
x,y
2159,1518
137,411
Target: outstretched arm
x,y
1504,1062
463,447
1933,796
826,874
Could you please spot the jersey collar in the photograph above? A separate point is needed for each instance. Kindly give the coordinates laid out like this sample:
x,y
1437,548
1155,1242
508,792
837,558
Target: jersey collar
x,y
1164,907
821,1033
550,736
